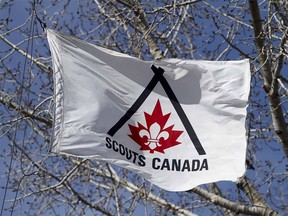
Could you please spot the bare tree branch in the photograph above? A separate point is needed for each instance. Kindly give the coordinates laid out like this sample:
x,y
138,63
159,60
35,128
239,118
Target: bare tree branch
x,y
252,193
235,207
190,29
38,63
7,101
274,100
154,49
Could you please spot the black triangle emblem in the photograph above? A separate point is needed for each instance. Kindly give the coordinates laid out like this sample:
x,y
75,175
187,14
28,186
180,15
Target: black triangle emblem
x,y
158,77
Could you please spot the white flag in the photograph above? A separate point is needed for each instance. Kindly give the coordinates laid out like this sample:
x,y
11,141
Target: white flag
x,y
178,123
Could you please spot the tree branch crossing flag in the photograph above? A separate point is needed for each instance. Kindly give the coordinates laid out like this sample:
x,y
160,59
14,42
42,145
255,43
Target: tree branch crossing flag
x,y
178,123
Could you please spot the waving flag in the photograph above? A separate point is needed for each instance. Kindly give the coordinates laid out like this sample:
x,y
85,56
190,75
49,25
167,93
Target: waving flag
x,y
178,123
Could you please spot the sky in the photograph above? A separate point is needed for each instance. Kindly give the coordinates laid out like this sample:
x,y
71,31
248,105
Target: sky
x,y
18,13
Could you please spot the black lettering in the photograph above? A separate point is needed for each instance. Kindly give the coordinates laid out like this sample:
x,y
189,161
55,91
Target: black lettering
x,y
176,164
135,156
204,165
195,165
114,146
141,161
186,166
154,163
108,143
165,164
121,149
128,153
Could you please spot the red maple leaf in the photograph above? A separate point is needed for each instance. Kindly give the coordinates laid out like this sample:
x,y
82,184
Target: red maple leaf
x,y
155,137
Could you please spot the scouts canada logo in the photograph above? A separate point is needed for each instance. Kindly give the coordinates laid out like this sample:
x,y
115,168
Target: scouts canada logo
x,y
155,137
156,134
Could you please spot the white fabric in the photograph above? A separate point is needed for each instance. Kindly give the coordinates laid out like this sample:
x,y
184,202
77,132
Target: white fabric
x,y
95,87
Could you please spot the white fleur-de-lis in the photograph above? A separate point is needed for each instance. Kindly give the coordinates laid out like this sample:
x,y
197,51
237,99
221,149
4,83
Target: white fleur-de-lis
x,y
154,135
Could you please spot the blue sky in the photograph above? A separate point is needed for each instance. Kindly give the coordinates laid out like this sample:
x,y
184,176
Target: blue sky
x,y
270,154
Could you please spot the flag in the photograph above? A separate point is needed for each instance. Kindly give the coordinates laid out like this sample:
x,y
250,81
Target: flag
x,y
177,123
